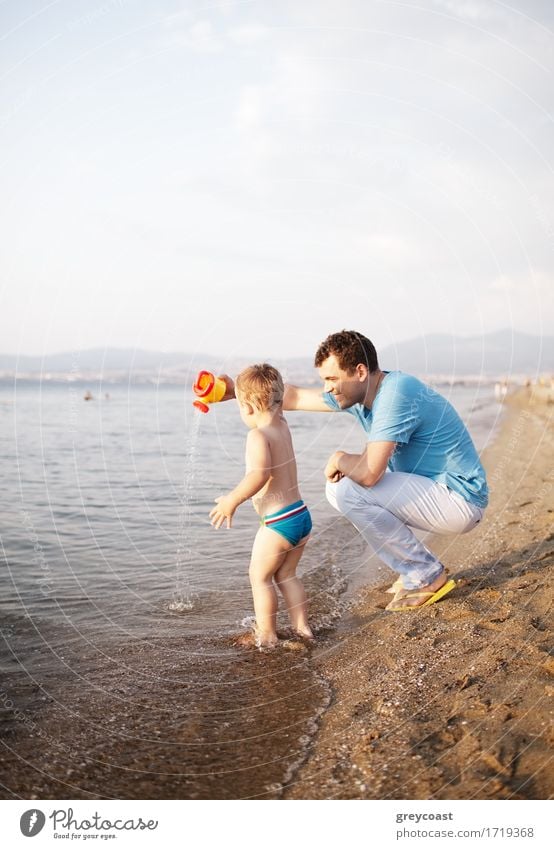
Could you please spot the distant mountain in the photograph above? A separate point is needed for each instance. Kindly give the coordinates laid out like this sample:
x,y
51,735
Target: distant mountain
x,y
102,360
494,354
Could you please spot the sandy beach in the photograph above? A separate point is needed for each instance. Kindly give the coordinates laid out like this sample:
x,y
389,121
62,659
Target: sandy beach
x,y
448,702
455,701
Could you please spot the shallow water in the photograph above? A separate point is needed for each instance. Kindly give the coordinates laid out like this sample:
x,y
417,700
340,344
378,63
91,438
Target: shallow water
x,y
183,598
106,514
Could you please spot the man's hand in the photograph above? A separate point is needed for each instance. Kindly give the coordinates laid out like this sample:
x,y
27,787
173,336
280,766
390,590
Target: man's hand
x,y
332,472
224,510
366,468
229,387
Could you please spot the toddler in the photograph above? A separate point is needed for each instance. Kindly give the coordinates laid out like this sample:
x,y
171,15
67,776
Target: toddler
x,y
271,481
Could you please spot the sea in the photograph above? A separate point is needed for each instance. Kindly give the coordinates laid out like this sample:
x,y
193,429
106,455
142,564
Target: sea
x,y
106,542
105,503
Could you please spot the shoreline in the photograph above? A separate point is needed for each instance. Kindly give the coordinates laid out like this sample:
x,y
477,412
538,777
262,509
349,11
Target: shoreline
x,y
451,701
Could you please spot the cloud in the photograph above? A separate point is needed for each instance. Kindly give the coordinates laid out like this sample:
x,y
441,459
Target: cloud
x,y
300,85
397,147
391,250
249,111
248,34
203,39
524,301
470,10
198,36
503,284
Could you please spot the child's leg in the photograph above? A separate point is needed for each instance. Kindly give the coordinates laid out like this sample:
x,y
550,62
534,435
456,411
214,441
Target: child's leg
x,y
293,590
268,552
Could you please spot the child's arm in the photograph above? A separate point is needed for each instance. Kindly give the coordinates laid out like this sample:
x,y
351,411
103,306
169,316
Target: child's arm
x,y
258,472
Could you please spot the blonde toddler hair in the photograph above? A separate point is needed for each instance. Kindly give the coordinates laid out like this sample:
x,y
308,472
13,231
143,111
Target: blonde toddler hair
x,y
261,385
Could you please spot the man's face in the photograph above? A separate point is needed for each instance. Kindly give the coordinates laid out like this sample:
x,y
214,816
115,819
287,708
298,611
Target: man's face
x,y
347,389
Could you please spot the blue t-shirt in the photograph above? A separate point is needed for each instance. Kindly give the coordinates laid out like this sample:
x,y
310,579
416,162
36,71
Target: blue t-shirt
x,y
431,439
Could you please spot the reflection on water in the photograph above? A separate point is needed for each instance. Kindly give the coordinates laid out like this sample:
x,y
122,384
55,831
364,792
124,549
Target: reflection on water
x,y
183,599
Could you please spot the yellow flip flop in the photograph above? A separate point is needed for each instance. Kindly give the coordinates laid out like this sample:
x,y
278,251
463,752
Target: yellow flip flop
x,y
398,586
433,597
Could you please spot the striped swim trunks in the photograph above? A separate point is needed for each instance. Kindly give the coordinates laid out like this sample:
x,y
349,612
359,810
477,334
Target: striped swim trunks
x,y
293,522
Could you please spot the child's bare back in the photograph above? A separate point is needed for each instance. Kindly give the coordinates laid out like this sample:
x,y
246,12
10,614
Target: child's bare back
x,y
282,487
272,483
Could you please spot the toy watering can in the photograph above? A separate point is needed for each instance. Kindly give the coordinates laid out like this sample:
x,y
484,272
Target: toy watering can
x,y
208,389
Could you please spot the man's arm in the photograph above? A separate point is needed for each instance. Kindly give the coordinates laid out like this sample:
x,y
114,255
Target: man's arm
x,y
310,400
295,398
366,468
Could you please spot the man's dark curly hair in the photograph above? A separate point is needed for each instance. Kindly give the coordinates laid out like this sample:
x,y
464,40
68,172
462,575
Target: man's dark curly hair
x,y
350,349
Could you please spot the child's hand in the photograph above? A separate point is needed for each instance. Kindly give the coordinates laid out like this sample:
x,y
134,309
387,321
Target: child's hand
x,y
224,511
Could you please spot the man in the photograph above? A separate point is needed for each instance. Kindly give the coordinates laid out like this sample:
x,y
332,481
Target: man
x,y
435,481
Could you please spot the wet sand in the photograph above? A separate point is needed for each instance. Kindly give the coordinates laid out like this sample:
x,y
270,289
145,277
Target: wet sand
x,y
167,717
447,702
193,727
455,701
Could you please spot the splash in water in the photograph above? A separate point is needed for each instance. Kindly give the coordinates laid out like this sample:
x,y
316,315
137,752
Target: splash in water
x,y
183,597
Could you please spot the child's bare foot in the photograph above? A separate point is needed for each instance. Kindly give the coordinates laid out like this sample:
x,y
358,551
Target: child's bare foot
x,y
305,634
252,640
245,641
265,640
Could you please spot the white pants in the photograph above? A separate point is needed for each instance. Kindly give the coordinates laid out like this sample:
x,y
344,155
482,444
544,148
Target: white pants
x,y
384,514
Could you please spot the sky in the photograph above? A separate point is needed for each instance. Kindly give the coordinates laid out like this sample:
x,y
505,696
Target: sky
x,y
248,177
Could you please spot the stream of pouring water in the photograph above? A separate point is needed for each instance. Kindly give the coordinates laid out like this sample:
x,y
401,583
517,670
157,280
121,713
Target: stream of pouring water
x,y
183,596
